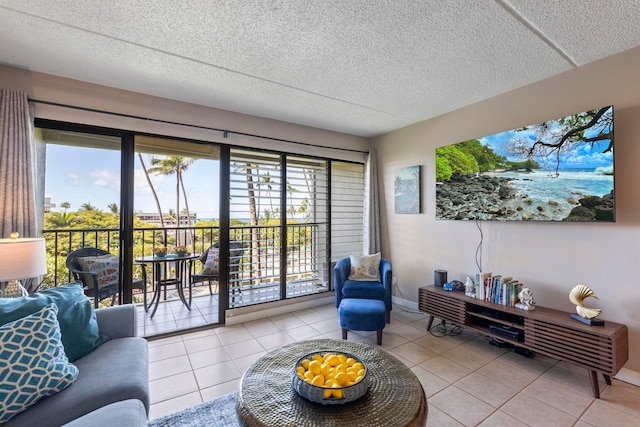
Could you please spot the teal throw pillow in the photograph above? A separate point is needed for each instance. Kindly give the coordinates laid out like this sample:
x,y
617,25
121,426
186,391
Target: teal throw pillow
x,y
33,364
77,318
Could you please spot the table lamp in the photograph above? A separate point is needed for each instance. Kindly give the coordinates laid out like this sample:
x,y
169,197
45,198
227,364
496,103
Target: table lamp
x,y
20,258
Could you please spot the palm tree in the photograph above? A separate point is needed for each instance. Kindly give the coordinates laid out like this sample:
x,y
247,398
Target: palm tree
x,y
87,207
153,190
113,207
171,216
290,190
169,166
266,179
61,219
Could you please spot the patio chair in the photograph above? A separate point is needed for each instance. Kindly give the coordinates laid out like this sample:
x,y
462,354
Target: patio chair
x,y
236,252
99,272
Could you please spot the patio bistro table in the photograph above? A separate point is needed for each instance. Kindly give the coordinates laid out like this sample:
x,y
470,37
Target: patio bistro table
x,y
162,278
266,396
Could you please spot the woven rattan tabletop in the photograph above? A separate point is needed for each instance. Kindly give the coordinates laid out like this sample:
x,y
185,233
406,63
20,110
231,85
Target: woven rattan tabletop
x,y
266,397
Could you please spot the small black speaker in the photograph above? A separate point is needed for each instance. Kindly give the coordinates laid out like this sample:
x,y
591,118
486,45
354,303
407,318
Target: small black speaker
x,y
440,277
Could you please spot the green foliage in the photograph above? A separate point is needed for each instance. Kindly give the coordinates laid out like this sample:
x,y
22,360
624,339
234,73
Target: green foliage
x,y
485,156
466,157
528,165
451,159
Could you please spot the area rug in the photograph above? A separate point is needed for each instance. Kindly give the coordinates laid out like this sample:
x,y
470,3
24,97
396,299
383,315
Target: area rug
x,y
220,412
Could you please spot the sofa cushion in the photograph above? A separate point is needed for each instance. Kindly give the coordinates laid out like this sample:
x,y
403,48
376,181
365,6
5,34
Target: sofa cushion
x,y
33,364
365,267
115,371
127,413
76,316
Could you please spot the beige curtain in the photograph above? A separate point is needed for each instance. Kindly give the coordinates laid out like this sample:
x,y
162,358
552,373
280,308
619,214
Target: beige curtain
x,y
17,158
371,241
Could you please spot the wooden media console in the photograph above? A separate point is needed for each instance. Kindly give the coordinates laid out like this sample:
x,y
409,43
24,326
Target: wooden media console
x,y
553,333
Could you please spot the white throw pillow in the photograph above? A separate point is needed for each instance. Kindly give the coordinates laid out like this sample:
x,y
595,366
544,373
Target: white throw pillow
x,y
212,264
33,364
365,267
106,268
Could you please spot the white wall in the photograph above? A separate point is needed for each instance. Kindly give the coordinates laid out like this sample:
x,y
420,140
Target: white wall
x,y
551,258
44,87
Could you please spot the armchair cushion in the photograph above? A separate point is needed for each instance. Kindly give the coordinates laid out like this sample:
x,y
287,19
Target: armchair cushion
x,y
76,316
33,364
365,267
363,290
106,268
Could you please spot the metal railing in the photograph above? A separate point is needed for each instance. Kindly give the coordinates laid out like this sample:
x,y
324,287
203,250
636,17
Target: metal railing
x,y
256,277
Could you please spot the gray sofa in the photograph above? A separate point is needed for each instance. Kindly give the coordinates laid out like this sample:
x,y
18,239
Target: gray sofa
x,y
112,388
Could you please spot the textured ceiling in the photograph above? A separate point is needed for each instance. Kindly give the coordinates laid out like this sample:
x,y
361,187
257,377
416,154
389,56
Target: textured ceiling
x,y
363,67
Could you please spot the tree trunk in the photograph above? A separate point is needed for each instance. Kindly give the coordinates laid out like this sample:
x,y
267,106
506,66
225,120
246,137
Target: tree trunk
x,y
255,236
186,206
153,191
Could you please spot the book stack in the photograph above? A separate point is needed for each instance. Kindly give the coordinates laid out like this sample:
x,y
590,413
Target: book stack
x,y
497,289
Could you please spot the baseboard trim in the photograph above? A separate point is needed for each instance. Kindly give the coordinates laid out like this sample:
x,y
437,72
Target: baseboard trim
x,y
628,376
262,311
406,304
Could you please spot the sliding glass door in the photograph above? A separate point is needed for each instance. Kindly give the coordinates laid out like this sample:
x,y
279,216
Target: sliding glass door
x,y
279,213
274,222
82,187
176,207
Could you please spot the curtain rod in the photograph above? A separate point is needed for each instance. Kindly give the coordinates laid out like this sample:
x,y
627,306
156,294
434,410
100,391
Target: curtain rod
x,y
225,132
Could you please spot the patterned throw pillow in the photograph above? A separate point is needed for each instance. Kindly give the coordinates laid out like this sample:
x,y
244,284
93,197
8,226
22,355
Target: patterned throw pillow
x,y
76,316
105,266
212,264
365,267
32,362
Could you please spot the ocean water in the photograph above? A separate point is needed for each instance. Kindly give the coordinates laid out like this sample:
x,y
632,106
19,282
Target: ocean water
x,y
542,186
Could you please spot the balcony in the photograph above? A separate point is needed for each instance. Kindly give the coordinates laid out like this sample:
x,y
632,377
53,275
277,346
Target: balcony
x,y
257,275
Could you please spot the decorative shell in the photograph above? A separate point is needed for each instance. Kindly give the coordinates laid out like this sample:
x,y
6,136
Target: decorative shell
x,y
577,296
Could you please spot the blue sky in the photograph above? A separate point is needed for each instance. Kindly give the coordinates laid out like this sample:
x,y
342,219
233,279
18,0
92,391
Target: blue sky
x,y
582,157
85,175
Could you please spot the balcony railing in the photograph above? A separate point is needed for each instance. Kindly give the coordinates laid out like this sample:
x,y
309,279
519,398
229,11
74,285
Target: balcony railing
x,y
258,277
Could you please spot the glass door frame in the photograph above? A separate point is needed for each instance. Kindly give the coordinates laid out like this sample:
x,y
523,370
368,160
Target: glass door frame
x,y
126,192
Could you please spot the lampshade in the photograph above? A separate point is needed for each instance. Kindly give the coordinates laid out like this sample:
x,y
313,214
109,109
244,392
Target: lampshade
x,y
22,258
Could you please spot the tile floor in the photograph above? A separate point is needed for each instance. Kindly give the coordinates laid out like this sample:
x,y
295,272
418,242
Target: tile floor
x,y
172,315
468,382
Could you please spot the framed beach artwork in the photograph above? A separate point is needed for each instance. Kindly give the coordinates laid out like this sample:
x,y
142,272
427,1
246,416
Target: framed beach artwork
x,y
558,170
407,190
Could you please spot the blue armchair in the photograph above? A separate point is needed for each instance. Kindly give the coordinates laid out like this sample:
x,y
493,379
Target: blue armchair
x,y
345,288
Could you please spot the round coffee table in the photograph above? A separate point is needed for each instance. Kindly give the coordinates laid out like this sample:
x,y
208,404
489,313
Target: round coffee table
x,y
267,398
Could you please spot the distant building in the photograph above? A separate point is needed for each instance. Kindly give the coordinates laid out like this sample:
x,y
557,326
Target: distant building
x,y
48,205
154,218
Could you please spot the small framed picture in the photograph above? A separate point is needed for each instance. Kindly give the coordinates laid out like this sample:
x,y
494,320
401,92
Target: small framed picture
x,y
408,190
